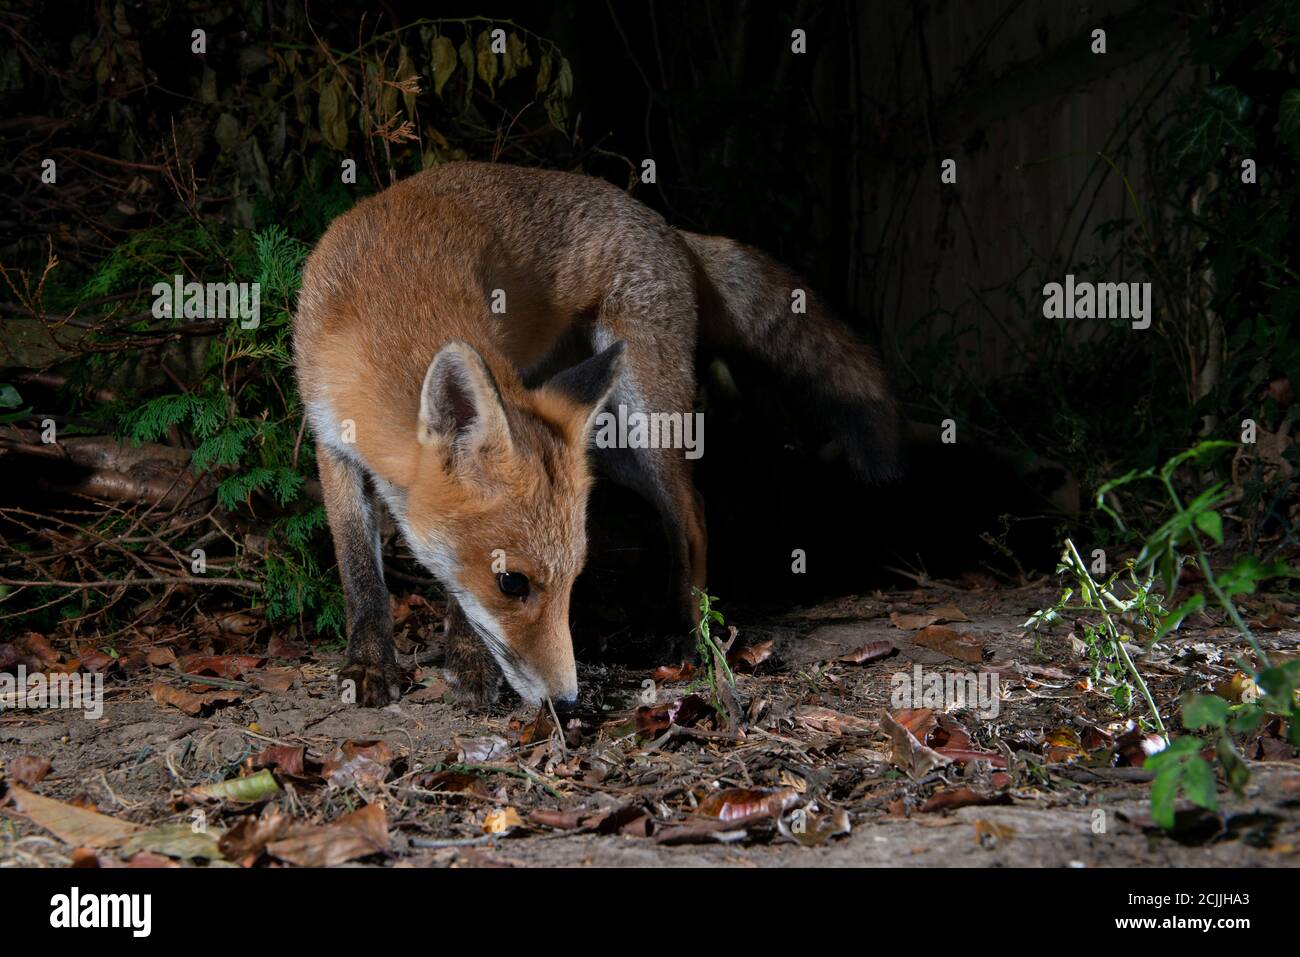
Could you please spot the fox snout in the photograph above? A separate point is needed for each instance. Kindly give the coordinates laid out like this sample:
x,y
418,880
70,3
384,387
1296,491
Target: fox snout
x,y
551,672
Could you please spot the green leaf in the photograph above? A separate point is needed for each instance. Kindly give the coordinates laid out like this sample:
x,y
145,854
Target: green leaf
x,y
1211,524
1234,769
1198,784
1247,719
1204,711
1222,122
1164,793
1175,618
9,397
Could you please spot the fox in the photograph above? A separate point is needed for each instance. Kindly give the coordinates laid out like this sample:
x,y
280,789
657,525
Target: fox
x,y
457,337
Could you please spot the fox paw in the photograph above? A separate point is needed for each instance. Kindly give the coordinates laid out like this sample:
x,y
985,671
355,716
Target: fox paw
x,y
376,685
475,688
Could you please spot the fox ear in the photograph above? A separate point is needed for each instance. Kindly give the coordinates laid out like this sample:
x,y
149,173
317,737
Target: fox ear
x,y
589,383
460,404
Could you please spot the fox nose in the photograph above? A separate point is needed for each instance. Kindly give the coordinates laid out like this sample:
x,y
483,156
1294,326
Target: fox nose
x,y
564,705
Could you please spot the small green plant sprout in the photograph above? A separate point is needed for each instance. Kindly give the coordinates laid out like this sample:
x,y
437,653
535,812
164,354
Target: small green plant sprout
x,y
1113,603
713,656
1185,536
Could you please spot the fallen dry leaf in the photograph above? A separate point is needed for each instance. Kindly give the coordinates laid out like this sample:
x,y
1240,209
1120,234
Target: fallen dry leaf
x,y
192,703
222,666
912,622
666,674
359,834
246,841
28,769
913,757
363,763
829,721
1062,746
501,821
871,651
745,804
481,750
950,799
951,643
751,656
287,758
70,824
160,657
275,679
687,711
178,840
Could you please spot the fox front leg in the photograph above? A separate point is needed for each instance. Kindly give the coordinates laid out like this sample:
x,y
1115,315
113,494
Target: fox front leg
x,y
372,660
469,669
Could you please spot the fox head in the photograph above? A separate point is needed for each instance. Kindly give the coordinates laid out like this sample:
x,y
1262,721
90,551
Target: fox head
x,y
497,511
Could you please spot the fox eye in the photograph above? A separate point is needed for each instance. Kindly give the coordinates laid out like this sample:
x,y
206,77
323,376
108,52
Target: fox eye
x,y
514,584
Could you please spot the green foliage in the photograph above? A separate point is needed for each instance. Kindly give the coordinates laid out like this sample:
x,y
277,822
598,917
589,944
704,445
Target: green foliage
x,y
713,659
1192,528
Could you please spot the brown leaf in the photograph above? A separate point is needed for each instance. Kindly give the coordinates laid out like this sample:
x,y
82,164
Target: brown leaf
x,y
38,650
563,820
827,721
480,750
1134,746
160,657
871,651
746,804
359,834
452,782
1062,746
28,769
687,711
188,701
950,799
700,831
950,613
751,656
95,661
666,674
915,759
222,666
951,643
287,758
363,763
919,721
70,824
912,622
275,679
435,690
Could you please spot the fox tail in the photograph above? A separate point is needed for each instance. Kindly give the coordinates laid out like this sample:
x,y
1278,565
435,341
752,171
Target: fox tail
x,y
751,302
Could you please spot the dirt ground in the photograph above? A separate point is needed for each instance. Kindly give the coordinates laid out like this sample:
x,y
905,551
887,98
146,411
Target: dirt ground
x,y
804,772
